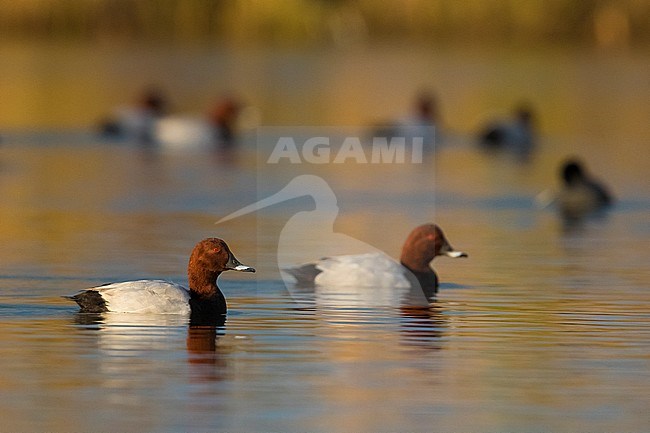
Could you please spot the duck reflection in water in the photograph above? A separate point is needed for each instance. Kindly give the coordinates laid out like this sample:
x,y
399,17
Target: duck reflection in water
x,y
422,328
203,352
127,336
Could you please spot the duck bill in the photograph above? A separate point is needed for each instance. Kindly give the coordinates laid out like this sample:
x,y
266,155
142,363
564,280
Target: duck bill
x,y
448,251
235,265
456,254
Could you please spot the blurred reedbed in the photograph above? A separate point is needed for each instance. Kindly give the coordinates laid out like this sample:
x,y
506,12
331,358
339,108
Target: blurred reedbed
x,y
606,24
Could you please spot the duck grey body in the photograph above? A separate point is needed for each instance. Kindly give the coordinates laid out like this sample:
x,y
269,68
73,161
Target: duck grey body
x,y
208,260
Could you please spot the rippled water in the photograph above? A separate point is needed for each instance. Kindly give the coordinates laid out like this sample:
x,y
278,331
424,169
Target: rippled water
x,y
540,329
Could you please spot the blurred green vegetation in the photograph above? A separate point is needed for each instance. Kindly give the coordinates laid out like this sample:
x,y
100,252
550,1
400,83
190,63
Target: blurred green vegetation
x,y
618,23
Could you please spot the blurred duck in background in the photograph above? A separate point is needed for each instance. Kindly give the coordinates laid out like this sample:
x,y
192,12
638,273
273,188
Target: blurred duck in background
x,y
137,122
423,121
148,122
224,122
515,135
216,131
580,196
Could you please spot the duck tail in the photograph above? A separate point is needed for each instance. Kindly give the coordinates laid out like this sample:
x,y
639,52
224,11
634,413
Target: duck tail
x,y
304,274
90,301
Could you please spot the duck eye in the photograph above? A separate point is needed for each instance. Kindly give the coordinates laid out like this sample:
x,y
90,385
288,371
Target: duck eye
x,y
215,250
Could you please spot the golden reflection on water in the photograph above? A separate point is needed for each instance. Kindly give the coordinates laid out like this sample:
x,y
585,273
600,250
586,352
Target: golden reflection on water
x,y
509,354
539,327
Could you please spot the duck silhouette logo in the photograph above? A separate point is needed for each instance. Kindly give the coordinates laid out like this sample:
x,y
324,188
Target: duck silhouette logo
x,y
341,260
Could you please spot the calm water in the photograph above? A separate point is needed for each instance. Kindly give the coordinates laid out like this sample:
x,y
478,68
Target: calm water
x,y
541,328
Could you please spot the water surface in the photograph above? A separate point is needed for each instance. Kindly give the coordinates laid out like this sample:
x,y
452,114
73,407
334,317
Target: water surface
x,y
541,328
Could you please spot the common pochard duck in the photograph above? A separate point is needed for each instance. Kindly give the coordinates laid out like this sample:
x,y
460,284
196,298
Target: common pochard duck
x,y
422,245
580,194
203,300
516,135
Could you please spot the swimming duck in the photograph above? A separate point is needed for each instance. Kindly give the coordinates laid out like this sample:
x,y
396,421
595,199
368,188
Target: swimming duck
x,y
203,300
422,245
516,135
580,194
137,122
423,122
217,131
